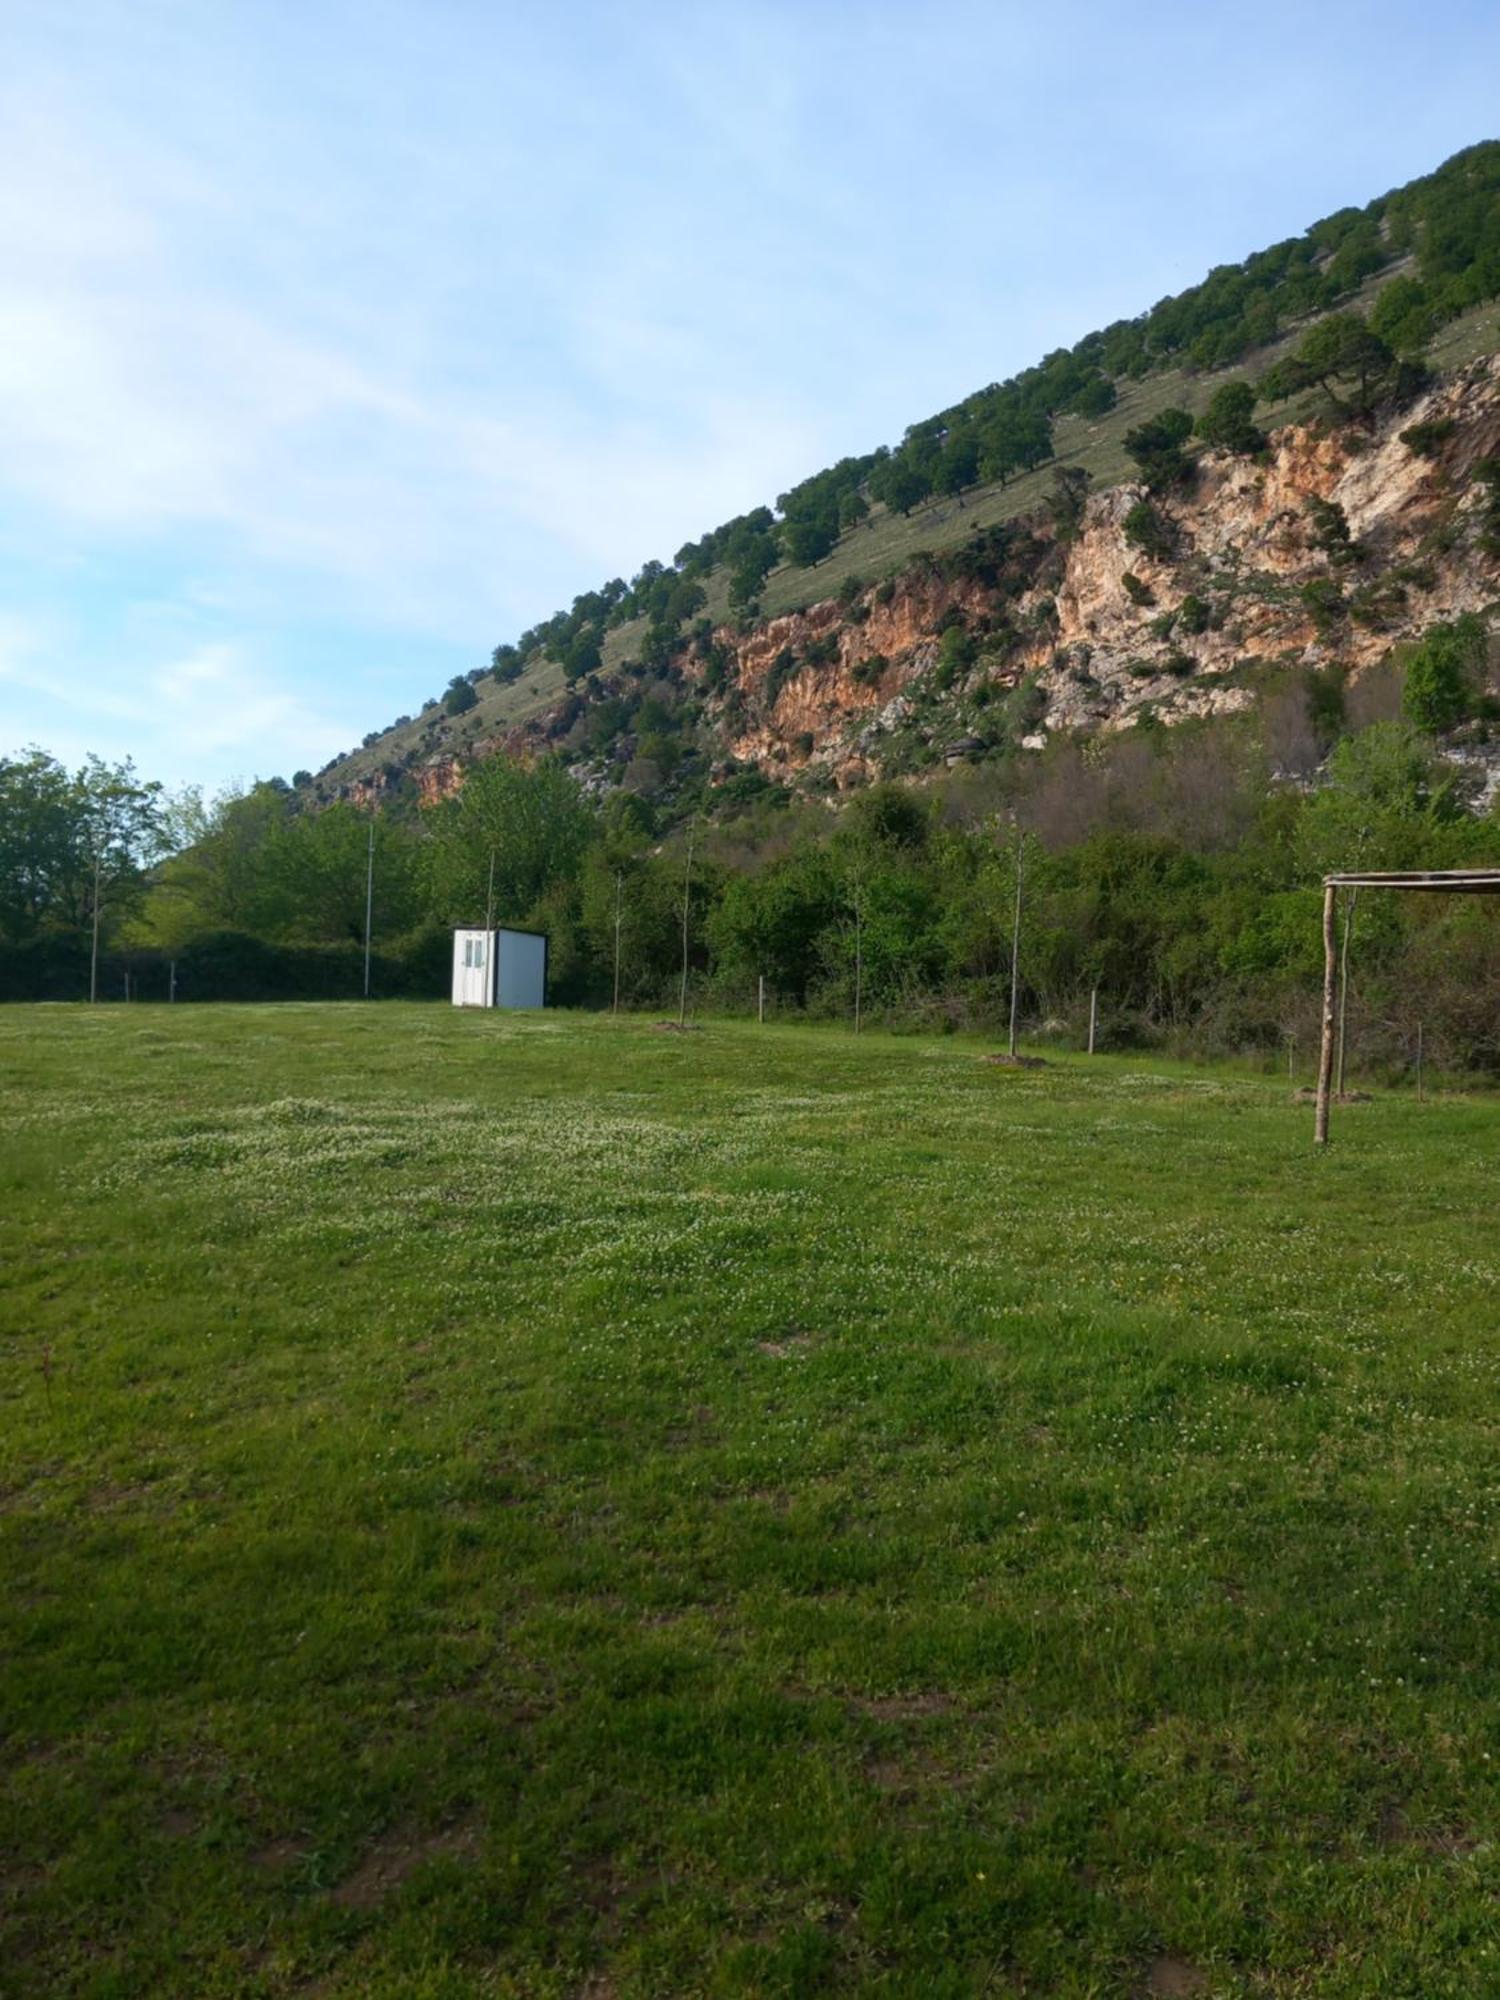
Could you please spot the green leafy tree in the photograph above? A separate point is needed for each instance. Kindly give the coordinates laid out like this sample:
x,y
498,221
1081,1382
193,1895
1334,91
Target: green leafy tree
x,y
1157,446
1442,675
853,508
534,821
1228,420
901,486
63,834
1339,355
459,696
1147,529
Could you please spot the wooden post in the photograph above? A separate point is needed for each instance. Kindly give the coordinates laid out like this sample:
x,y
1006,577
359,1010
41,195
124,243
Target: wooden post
x,y
1344,990
1330,989
1093,1017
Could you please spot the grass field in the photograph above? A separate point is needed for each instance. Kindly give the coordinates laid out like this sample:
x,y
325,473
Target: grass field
x,y
533,1506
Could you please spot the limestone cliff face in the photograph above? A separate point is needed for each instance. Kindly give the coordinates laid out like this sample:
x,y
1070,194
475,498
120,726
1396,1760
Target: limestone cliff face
x,y
816,712
1245,582
1246,546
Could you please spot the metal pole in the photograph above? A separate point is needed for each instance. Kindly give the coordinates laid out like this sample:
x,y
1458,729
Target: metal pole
x,y
1330,984
369,900
1093,1017
687,886
94,953
1344,987
619,892
1015,946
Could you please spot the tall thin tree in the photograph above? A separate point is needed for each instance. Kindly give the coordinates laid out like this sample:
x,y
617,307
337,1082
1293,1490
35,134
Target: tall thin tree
x,y
619,897
369,898
1015,939
94,948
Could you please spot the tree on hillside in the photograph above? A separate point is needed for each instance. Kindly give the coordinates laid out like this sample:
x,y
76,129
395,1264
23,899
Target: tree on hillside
x,y
1157,448
853,508
900,486
1228,420
807,538
958,466
459,695
1342,357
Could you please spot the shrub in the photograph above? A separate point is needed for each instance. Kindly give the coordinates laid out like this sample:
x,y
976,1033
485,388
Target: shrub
x,y
1426,440
1138,592
1441,675
1149,531
1325,603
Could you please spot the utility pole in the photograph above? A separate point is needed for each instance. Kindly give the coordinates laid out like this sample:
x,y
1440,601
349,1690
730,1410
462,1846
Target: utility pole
x,y
687,888
94,953
1015,941
369,899
619,893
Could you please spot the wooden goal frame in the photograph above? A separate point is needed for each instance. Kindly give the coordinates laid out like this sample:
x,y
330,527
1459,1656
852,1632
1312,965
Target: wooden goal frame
x,y
1435,881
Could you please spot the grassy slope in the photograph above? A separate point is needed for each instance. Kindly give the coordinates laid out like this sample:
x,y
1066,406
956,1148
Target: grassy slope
x,y
533,1506
887,541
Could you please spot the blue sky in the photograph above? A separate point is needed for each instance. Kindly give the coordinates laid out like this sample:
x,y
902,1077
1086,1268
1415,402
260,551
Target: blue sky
x,y
340,342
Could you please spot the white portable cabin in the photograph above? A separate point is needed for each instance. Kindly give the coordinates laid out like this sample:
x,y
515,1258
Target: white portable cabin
x,y
499,969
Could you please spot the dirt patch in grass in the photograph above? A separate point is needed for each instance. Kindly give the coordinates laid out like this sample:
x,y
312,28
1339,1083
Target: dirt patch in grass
x,y
276,1856
792,1342
902,1707
1004,1060
399,1855
1169,1978
1396,1830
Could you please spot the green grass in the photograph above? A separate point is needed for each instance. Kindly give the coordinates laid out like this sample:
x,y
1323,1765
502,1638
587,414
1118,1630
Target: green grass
x,y
532,1506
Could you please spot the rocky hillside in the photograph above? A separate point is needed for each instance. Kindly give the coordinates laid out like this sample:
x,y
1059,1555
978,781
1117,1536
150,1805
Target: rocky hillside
x,y
1327,547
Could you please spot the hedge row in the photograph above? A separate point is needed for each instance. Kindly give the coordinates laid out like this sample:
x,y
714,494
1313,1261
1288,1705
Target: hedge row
x,y
227,965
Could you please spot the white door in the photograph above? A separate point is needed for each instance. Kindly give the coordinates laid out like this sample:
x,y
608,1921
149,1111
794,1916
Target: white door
x,y
471,969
